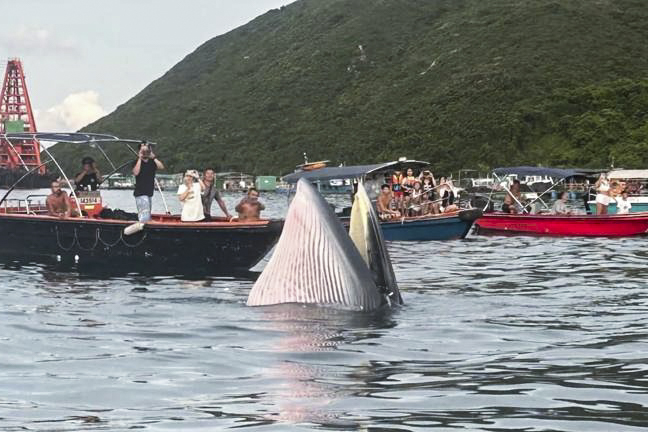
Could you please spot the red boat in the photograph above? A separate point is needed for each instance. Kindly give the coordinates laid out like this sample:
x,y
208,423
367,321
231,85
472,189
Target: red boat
x,y
615,225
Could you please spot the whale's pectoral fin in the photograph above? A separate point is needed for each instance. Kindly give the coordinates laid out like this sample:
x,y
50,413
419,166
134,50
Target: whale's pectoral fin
x,y
367,235
315,261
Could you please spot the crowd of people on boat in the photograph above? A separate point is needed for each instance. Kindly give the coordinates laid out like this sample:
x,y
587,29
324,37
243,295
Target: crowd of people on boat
x,y
196,194
415,195
606,193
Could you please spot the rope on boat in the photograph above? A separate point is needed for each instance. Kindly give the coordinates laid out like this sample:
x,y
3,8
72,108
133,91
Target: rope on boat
x,y
133,245
93,247
98,239
58,240
111,245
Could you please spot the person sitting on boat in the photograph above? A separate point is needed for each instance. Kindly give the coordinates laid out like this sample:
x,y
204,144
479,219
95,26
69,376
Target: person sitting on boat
x,y
427,175
58,202
384,204
144,171
602,186
446,196
560,207
416,200
210,193
397,189
622,203
190,195
430,205
89,178
513,199
250,208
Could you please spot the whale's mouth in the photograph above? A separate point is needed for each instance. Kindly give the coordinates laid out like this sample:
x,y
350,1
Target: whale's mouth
x,y
316,262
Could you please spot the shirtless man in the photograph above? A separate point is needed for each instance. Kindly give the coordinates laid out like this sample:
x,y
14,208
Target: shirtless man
x,y
58,202
383,204
250,208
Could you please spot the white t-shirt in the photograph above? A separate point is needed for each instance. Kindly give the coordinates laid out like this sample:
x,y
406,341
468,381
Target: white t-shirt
x,y
192,208
623,206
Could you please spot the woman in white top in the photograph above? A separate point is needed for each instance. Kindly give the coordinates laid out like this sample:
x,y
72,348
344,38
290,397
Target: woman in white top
x,y
623,205
602,194
189,195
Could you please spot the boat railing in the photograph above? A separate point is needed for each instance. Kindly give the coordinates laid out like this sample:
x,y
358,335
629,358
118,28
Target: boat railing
x,y
27,205
32,208
15,206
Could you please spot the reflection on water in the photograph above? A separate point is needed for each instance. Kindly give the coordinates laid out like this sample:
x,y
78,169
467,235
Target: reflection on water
x,y
496,334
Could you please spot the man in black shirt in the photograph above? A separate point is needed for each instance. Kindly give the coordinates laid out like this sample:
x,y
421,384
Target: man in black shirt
x,y
89,178
144,171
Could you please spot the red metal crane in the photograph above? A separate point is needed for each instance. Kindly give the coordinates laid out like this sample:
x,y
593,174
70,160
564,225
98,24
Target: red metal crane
x,y
16,116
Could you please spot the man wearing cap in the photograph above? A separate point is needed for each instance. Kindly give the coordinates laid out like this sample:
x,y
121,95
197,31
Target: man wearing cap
x,y
89,177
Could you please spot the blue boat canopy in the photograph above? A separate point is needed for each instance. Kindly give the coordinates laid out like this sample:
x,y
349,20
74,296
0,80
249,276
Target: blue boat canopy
x,y
539,171
349,172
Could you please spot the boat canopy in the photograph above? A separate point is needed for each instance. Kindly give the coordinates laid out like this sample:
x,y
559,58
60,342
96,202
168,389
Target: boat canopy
x,y
350,172
75,138
628,174
539,171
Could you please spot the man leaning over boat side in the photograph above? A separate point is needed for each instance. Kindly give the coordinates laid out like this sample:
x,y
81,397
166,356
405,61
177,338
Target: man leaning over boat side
x,y
58,202
250,208
210,194
144,171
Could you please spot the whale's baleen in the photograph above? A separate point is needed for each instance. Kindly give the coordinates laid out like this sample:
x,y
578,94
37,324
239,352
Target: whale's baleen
x,y
317,262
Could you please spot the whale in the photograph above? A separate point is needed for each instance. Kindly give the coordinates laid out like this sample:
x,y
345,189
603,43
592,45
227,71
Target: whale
x,y
317,262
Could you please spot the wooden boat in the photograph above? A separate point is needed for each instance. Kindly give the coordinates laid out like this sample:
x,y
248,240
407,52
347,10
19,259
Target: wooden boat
x,y
164,245
450,226
632,224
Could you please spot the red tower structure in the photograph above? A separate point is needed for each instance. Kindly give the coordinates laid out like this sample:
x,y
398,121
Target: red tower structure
x,y
16,116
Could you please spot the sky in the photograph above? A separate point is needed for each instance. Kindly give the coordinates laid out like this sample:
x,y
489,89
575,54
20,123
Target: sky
x,y
83,58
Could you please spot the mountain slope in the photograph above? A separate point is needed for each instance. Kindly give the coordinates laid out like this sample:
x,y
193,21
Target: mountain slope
x,y
461,83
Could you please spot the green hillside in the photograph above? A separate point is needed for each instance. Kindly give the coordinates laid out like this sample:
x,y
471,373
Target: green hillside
x,y
461,83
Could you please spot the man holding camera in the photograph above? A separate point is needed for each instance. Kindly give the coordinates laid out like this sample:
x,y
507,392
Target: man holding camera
x,y
144,171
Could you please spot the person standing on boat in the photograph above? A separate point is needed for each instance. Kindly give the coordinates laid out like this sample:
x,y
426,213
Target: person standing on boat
x,y
58,202
602,186
397,189
144,171
190,195
210,193
89,178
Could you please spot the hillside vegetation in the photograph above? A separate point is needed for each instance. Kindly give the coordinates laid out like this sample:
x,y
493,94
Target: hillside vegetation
x,y
461,83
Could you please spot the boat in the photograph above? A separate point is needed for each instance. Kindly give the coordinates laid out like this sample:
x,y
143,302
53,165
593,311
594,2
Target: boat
x,y
628,225
531,222
99,238
451,226
636,181
448,226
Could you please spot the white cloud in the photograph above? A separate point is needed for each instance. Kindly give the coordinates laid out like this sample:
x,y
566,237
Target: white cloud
x,y
36,40
76,111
